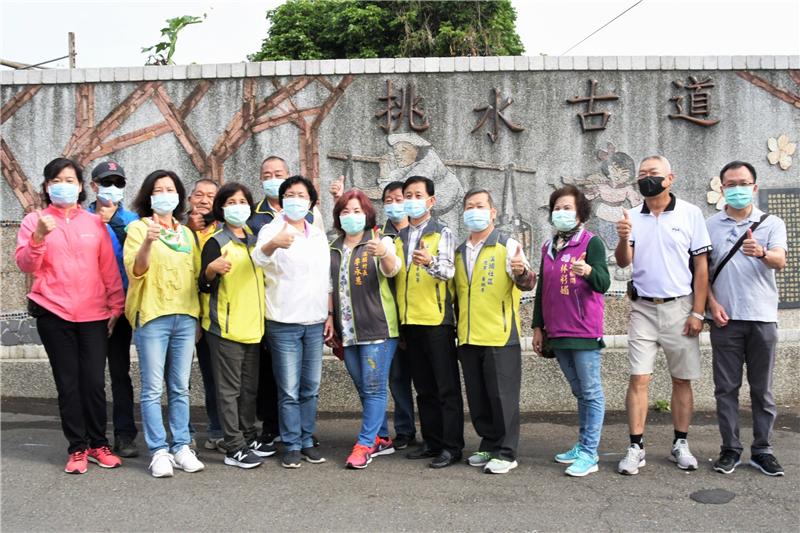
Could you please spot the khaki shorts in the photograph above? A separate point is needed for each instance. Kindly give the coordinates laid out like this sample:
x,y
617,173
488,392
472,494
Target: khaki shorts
x,y
653,325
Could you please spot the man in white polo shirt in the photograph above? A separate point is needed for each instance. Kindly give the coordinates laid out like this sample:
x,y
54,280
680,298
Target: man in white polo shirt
x,y
667,242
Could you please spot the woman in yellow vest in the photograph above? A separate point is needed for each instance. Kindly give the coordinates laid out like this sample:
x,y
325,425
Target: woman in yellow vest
x,y
232,290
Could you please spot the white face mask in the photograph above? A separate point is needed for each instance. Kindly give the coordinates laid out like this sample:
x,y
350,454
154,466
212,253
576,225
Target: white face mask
x,y
111,194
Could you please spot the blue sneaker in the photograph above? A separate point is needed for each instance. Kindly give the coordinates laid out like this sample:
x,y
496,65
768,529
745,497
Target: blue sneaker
x,y
567,458
583,465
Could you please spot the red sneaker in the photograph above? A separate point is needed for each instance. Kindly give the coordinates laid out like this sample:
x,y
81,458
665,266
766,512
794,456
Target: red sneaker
x,y
359,457
76,464
102,456
382,446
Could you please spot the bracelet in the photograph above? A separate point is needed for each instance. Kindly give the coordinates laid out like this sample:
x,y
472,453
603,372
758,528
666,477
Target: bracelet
x,y
698,316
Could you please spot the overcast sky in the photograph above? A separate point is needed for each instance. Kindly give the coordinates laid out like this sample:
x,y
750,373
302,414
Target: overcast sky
x,y
112,33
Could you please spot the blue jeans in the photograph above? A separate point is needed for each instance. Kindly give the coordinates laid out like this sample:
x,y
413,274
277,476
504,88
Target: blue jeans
x,y
297,365
582,370
400,385
369,366
166,342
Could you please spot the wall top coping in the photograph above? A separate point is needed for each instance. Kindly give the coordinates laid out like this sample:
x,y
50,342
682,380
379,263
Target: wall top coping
x,y
396,65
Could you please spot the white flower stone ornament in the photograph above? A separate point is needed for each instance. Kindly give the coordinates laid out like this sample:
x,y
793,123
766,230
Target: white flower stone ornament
x,y
715,195
780,151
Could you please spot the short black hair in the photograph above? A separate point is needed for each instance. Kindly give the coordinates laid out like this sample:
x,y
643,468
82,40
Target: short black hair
x,y
394,185
429,188
733,165
53,168
477,190
583,208
225,192
141,204
288,182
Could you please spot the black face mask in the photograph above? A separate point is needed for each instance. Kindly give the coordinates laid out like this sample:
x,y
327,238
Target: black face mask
x,y
208,218
651,185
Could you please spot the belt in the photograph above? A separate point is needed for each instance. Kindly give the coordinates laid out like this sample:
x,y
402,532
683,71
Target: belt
x,y
659,300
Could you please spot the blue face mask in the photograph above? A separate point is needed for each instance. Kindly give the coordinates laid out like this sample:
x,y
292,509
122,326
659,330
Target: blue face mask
x,y
564,220
295,208
477,219
395,212
271,187
237,214
415,208
110,194
739,197
63,194
164,203
353,223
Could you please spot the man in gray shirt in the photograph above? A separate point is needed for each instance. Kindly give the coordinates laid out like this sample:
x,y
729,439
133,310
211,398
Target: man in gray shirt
x,y
743,304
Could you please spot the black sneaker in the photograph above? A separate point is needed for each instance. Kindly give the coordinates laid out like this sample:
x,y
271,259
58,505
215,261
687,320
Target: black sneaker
x,y
263,448
315,441
727,462
312,455
125,447
291,459
243,458
270,438
767,463
402,442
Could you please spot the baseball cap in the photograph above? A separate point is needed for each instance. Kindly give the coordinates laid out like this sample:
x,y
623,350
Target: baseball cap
x,y
107,168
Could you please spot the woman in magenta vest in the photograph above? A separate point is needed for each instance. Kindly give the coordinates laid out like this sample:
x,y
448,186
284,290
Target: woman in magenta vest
x,y
569,313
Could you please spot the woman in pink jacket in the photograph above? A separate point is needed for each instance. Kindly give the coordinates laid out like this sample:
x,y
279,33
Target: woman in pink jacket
x,y
76,299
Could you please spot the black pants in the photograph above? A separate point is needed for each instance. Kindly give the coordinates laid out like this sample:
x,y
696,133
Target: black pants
x,y
434,371
77,353
267,397
492,376
119,367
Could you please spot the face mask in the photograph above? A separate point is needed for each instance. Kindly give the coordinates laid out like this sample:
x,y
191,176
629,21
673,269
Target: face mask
x,y
353,223
110,194
63,194
271,187
477,219
237,214
651,185
564,220
394,212
164,203
295,208
415,208
739,197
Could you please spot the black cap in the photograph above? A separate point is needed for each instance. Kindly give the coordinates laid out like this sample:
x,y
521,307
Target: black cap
x,y
107,168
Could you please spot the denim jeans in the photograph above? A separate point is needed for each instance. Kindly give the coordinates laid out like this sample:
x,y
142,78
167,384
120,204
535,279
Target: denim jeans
x,y
297,364
165,343
582,370
400,386
369,366
214,428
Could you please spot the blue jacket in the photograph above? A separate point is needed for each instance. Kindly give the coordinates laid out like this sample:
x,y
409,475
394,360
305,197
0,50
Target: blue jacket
x,y
116,229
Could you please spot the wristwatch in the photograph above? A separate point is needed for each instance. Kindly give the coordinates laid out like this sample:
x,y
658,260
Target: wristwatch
x,y
698,316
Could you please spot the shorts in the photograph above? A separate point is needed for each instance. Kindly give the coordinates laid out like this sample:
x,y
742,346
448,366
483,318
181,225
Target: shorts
x,y
653,325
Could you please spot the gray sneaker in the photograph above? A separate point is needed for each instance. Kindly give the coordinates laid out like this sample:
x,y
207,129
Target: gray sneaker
x,y
291,459
312,455
682,456
479,459
499,466
632,461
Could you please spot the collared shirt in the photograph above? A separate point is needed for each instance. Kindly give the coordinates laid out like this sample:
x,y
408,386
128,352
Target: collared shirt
x,y
472,251
746,286
663,246
296,278
443,263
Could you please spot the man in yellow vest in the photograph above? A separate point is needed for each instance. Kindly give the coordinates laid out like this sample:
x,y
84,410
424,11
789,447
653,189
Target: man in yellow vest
x,y
424,288
491,269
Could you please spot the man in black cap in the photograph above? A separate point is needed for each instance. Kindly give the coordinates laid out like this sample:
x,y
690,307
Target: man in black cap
x,y
108,184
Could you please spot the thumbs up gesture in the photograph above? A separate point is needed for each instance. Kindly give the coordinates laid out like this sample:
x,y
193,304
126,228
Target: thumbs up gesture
x,y
196,221
624,226
284,239
220,265
153,231
422,256
337,188
518,266
581,267
376,247
44,225
751,247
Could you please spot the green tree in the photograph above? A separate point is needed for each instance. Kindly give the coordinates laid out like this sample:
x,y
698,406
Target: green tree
x,y
336,29
161,53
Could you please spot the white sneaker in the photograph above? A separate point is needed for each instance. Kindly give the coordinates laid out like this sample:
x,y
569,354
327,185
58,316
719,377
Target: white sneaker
x,y
499,466
161,464
187,460
682,456
632,461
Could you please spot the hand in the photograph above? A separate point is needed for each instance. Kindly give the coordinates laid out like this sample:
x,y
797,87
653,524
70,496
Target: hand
x,y
421,256
337,188
693,326
153,231
538,340
198,333
44,226
376,247
196,221
105,212
220,265
624,226
111,323
327,330
718,314
284,239
518,263
581,268
751,247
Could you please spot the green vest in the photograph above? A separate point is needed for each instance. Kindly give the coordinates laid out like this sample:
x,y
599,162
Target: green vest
x,y
234,309
488,303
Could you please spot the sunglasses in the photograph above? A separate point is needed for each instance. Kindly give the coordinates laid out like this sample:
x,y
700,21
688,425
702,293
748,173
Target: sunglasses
x,y
116,181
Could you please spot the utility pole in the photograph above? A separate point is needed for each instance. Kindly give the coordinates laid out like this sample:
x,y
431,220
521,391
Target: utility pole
x,y
71,48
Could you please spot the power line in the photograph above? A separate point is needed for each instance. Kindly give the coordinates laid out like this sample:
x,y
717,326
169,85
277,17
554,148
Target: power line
x,y
601,27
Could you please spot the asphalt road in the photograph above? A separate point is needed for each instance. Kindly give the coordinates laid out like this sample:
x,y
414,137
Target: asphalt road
x,y
395,493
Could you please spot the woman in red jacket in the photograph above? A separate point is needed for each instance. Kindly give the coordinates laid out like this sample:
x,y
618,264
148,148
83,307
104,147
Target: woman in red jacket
x,y
76,298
